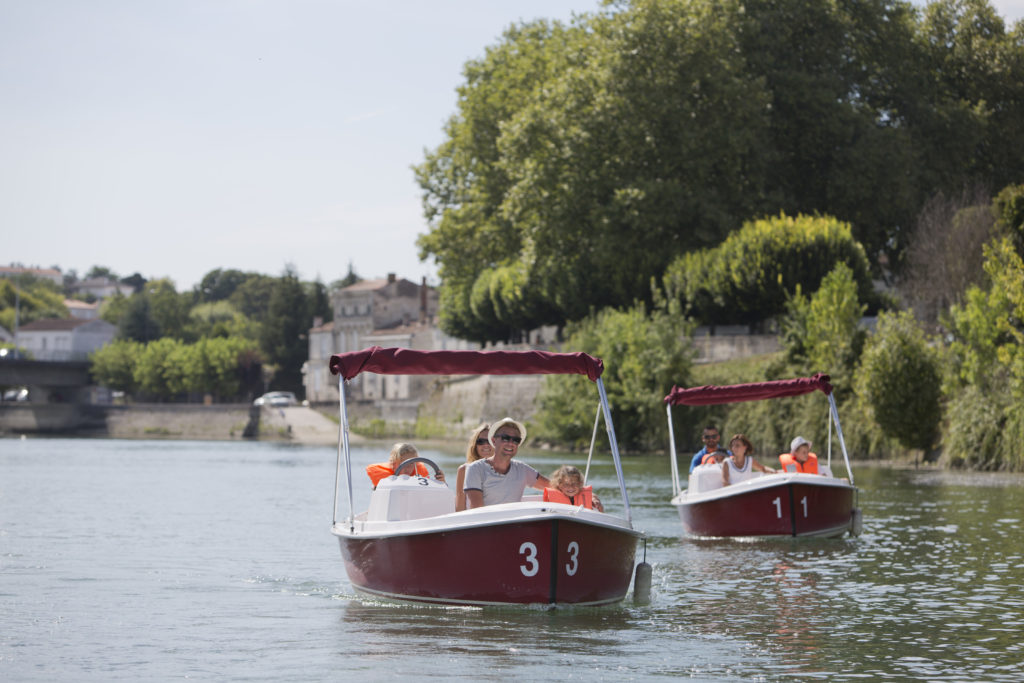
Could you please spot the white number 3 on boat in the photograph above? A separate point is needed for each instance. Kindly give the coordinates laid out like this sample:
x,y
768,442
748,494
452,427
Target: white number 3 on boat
x,y
573,565
531,566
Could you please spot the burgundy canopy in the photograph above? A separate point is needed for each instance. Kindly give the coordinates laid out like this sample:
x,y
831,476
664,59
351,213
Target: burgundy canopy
x,y
409,362
757,391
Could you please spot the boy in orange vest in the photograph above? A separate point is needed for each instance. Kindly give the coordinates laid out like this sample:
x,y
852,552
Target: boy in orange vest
x,y
799,458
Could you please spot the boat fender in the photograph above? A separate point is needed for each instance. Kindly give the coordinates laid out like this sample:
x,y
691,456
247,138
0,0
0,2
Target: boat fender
x,y
856,522
642,583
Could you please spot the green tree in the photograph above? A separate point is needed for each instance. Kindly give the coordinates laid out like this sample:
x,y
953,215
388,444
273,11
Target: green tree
x,y
463,183
219,319
113,365
252,297
753,274
227,361
135,281
156,373
219,284
583,159
644,354
968,122
900,379
1008,207
319,302
988,350
169,309
33,298
101,271
136,321
821,333
350,278
285,331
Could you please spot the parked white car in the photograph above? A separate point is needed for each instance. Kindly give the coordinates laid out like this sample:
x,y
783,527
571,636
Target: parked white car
x,y
277,399
16,394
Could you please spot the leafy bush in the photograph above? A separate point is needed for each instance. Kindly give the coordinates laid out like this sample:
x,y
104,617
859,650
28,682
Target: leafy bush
x,y
974,436
900,379
751,276
166,367
113,365
988,351
643,354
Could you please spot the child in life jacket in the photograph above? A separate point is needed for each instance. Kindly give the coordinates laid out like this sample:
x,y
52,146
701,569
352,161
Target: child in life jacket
x,y
567,487
400,452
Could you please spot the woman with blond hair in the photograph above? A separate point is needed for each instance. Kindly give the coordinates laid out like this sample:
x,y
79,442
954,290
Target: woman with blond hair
x,y
479,447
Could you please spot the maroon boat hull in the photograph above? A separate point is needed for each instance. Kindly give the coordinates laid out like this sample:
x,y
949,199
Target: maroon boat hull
x,y
787,509
551,560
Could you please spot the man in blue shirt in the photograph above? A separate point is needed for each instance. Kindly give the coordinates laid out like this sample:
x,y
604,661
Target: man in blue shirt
x,y
710,438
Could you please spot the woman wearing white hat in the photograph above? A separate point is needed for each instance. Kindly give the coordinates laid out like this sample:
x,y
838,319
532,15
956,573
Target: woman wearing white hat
x,y
499,478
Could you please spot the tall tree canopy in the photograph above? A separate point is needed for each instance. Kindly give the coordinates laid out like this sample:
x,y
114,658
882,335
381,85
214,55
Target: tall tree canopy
x,y
583,159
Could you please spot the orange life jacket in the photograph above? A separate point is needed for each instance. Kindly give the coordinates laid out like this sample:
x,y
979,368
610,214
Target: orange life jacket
x,y
810,466
556,496
708,459
380,470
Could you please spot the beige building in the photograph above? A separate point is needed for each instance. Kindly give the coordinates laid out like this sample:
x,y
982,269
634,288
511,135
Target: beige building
x,y
82,310
388,312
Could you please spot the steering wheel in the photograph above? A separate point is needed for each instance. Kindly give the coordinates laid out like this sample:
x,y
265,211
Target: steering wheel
x,y
411,461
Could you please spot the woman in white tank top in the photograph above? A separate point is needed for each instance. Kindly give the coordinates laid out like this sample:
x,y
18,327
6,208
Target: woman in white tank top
x,y
740,465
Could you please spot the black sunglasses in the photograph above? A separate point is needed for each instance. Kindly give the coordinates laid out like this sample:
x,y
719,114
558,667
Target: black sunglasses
x,y
481,441
509,437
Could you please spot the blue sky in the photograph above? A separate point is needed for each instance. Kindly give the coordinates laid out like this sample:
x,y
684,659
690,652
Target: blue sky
x,y
172,138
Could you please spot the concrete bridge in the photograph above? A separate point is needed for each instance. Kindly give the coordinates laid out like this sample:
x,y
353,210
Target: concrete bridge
x,y
61,381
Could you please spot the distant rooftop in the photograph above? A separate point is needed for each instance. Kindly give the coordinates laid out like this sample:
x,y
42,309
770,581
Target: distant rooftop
x,y
54,324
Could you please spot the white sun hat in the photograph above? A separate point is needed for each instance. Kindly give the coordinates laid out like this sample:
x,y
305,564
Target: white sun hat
x,y
493,429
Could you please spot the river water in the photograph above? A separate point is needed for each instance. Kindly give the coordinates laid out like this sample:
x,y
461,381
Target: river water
x,y
127,560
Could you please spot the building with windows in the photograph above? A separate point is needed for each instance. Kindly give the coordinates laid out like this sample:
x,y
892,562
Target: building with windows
x,y
64,339
383,312
103,287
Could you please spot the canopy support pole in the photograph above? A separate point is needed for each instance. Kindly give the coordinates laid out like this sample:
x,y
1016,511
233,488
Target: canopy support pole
x,y
672,452
343,452
839,433
615,448
593,440
829,425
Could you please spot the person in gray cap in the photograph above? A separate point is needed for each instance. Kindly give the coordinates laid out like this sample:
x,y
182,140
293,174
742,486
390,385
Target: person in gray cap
x,y
499,478
799,458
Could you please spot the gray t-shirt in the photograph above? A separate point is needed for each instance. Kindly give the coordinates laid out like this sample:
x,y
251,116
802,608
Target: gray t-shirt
x,y
500,488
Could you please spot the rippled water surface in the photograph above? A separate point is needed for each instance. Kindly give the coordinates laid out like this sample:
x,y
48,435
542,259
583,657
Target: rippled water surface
x,y
167,559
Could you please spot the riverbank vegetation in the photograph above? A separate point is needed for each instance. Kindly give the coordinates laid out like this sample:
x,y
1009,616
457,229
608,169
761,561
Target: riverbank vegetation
x,y
771,164
233,336
905,388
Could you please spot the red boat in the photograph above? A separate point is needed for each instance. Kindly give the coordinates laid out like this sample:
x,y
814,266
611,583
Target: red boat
x,y
780,504
410,544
